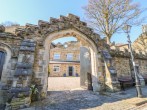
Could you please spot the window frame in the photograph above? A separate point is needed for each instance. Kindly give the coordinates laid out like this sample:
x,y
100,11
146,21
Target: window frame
x,y
69,58
56,56
57,67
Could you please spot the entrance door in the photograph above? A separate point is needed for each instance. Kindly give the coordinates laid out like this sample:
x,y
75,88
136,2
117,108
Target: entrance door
x,y
2,59
70,69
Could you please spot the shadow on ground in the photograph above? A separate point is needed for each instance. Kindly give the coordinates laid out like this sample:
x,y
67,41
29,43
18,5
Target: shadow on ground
x,y
83,99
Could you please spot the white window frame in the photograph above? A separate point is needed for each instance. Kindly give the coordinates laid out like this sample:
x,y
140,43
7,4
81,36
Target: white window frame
x,y
56,56
69,56
56,67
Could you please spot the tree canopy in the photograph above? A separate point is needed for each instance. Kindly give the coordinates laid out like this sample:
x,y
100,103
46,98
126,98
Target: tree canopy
x,y
108,17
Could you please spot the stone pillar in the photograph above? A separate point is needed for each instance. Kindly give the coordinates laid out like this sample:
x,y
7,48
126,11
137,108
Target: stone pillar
x,y
41,70
23,72
142,82
85,65
112,83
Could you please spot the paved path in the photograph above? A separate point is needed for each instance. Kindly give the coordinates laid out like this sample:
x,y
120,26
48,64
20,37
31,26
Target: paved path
x,y
63,83
80,99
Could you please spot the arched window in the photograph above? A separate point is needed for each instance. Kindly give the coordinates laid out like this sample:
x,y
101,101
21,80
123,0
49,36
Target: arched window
x,y
2,60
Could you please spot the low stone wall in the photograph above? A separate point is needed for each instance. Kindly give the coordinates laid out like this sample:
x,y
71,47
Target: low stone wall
x,y
123,66
121,60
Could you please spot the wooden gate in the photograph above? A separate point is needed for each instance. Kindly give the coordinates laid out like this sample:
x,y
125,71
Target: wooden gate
x,y
2,60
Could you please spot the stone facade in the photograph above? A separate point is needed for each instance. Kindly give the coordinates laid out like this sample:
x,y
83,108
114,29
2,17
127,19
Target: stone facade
x,y
27,57
69,57
28,53
64,70
121,55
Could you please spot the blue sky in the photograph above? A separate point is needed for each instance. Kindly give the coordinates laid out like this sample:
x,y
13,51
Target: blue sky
x,y
30,11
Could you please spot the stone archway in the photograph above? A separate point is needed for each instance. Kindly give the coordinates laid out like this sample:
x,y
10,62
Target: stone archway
x,y
45,32
28,57
86,42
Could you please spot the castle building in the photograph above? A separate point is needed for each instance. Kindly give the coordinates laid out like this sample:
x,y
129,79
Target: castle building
x,y
65,59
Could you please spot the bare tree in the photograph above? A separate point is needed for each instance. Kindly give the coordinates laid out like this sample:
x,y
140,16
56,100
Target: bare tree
x,y
109,16
9,23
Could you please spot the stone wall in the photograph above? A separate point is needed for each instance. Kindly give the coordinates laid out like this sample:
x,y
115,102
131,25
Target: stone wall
x,y
121,60
63,51
30,45
122,66
72,47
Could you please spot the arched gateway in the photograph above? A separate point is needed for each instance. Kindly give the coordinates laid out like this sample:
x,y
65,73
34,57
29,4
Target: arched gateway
x,y
45,32
85,43
28,59
69,26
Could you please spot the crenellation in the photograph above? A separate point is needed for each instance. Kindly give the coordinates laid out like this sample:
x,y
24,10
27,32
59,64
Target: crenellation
x,y
81,23
28,25
53,20
73,17
63,18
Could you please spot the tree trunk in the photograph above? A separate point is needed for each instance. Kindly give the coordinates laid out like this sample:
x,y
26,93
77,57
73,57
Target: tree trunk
x,y
108,40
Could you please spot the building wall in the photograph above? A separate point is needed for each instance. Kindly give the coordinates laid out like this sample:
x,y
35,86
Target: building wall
x,y
122,66
63,53
73,48
142,65
64,70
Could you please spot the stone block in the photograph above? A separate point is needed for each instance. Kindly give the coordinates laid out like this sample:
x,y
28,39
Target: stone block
x,y
9,82
73,17
2,28
37,81
19,85
23,72
12,73
24,65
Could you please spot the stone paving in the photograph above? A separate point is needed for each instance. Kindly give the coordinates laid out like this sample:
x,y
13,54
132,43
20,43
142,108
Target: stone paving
x,y
80,99
63,83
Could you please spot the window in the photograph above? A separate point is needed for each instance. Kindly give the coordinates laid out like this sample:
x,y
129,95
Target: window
x,y
69,56
56,68
56,56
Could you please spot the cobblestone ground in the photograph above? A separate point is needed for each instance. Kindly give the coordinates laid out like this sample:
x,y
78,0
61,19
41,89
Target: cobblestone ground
x,y
80,99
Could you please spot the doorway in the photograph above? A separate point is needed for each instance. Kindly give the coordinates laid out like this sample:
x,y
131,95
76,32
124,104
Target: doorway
x,y
2,60
70,71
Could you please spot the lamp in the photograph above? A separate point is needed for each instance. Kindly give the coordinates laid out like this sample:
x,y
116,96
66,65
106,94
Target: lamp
x,y
127,29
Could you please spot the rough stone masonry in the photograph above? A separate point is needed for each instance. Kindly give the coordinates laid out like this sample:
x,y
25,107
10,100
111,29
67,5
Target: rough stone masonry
x,y
24,57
